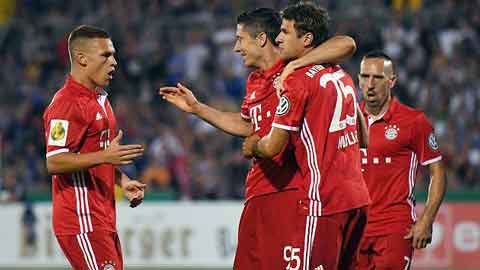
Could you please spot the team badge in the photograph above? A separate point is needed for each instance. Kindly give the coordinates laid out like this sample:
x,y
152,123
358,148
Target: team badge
x,y
432,142
108,265
391,132
283,106
58,132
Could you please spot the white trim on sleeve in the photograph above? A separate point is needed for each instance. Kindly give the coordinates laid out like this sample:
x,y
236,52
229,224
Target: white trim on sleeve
x,y
433,160
56,152
285,127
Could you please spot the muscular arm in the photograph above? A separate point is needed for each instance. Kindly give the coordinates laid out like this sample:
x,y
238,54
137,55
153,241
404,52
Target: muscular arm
x,y
185,100
421,231
436,192
71,162
230,122
115,154
268,146
334,50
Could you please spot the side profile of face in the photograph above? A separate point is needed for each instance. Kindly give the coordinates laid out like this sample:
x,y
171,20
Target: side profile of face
x,y
291,46
376,79
99,61
248,47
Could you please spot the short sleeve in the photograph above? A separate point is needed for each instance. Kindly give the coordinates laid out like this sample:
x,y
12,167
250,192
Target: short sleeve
x,y
291,108
425,141
65,126
244,113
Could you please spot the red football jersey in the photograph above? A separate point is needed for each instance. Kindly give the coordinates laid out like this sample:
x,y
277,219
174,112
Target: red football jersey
x,y
398,142
79,120
318,106
259,105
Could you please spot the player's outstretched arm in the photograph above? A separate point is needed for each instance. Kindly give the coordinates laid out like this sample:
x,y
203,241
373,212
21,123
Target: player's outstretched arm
x,y
335,50
421,232
115,154
362,129
229,122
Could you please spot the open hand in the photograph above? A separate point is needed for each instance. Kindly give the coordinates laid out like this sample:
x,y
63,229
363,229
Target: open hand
x,y
179,96
117,154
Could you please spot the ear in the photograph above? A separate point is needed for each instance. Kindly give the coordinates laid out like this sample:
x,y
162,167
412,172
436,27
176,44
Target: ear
x,y
261,39
308,39
392,81
81,58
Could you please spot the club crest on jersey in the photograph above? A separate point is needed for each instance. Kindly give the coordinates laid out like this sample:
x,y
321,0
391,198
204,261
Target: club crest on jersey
x,y
58,132
432,142
391,132
108,265
283,106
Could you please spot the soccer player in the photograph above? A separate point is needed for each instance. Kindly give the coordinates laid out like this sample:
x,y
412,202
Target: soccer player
x,y
82,155
400,139
317,114
272,186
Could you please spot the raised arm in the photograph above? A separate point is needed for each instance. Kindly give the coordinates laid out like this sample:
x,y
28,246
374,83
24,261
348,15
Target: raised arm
x,y
115,154
334,50
229,122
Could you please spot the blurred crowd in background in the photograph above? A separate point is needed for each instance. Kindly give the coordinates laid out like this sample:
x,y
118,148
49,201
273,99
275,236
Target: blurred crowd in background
x,y
435,43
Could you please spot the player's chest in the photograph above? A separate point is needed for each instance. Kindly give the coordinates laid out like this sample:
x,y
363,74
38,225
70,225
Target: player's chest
x,y
102,122
389,143
261,110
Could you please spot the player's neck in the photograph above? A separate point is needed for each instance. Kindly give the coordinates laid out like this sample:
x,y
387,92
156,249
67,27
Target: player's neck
x,y
269,59
380,110
83,80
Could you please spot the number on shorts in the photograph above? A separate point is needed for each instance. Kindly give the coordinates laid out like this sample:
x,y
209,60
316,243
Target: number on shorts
x,y
342,91
291,254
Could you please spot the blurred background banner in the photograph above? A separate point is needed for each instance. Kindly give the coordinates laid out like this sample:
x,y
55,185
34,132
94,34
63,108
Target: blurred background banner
x,y
154,235
193,235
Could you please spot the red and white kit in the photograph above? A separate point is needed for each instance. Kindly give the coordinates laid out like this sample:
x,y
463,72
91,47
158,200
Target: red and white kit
x,y
79,120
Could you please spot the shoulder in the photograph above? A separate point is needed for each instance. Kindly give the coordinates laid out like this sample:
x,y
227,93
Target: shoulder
x,y
412,113
64,103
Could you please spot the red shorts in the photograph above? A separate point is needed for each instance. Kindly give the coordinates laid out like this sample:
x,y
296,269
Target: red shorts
x,y
387,252
275,232
98,250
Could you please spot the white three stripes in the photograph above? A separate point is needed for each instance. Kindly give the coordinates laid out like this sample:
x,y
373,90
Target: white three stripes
x,y
87,251
81,199
315,176
411,183
313,194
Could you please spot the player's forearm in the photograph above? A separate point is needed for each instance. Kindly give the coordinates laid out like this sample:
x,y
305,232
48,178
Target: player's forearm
x,y
334,50
362,129
229,122
436,192
72,162
120,177
272,144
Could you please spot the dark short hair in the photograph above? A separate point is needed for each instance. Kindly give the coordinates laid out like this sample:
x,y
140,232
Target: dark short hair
x,y
261,20
380,54
85,31
309,18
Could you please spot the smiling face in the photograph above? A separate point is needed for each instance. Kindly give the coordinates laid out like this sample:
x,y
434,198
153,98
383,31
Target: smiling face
x,y
290,44
247,46
376,79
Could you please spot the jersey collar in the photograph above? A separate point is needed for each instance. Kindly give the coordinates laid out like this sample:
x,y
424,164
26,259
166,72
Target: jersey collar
x,y
388,114
80,89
